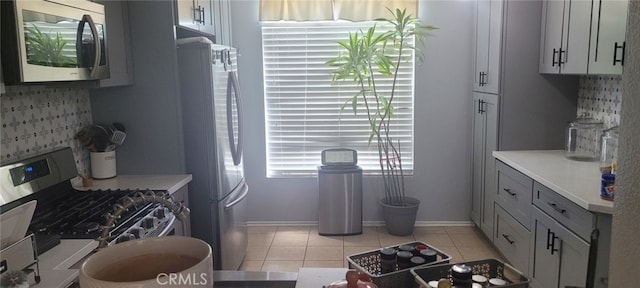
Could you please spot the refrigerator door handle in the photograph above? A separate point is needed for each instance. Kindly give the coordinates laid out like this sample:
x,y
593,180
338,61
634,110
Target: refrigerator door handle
x,y
245,192
233,90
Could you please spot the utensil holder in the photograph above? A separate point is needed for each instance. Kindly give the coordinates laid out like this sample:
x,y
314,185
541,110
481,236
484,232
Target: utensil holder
x,y
103,165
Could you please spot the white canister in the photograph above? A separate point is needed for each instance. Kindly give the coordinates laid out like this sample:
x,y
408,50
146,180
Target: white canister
x,y
103,164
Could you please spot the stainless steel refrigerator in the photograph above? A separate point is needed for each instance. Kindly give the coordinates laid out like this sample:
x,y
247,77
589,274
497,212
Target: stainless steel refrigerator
x,y
212,126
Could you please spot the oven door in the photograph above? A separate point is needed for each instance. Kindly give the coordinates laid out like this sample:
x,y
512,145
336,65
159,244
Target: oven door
x,y
54,41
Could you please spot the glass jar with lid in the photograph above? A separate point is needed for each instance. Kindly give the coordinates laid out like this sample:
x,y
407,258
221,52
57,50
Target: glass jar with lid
x,y
609,150
583,139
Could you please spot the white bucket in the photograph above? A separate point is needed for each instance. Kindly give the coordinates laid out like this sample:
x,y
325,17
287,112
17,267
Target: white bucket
x,y
103,165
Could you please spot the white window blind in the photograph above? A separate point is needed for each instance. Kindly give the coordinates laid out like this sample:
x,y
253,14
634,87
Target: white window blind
x,y
303,115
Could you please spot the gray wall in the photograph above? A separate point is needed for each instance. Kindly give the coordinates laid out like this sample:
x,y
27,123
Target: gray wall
x,y
625,247
150,108
442,123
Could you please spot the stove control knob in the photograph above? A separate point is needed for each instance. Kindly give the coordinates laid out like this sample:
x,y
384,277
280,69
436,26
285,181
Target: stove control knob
x,y
137,232
149,222
160,213
125,237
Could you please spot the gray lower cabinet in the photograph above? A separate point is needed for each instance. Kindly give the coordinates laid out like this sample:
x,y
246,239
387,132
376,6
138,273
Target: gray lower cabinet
x,y
512,239
559,257
513,193
182,228
545,235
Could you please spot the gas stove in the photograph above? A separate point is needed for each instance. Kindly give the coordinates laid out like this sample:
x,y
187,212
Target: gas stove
x,y
65,213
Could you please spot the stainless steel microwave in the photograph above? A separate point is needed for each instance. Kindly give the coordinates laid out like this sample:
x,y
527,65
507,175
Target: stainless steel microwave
x,y
53,40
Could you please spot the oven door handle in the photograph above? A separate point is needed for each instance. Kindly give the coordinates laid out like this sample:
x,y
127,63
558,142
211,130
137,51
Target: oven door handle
x,y
245,192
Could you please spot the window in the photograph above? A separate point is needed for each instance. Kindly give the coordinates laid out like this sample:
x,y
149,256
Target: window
x,y
303,109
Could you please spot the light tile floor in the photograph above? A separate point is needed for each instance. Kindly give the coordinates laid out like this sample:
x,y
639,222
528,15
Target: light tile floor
x,y
288,248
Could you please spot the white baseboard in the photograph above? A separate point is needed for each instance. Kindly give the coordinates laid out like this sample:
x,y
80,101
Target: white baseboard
x,y
364,223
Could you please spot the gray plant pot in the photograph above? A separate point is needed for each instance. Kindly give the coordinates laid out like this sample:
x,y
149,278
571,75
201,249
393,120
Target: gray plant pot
x,y
400,220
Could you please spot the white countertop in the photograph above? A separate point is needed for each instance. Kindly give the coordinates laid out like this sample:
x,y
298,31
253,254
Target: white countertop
x,y
319,277
55,264
171,183
577,181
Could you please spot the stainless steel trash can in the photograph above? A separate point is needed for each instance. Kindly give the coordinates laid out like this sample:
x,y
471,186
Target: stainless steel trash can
x,y
340,205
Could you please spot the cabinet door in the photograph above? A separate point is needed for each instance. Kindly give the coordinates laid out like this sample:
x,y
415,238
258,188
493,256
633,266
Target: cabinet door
x,y
490,110
608,27
551,35
492,80
118,44
207,25
187,13
481,35
487,34
512,239
574,53
478,148
560,257
545,266
484,143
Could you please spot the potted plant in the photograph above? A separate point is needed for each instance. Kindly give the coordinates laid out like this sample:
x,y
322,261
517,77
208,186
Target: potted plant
x,y
370,56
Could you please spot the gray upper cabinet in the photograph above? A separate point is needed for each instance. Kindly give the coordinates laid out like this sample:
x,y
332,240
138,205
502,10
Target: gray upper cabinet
x,y
196,15
583,37
487,35
564,42
118,44
608,26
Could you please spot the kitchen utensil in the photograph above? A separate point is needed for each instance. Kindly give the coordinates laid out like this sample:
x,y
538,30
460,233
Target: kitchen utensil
x,y
583,139
85,139
118,133
100,137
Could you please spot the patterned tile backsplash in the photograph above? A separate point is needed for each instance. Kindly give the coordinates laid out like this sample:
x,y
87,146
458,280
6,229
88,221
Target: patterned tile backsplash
x,y
37,118
601,98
